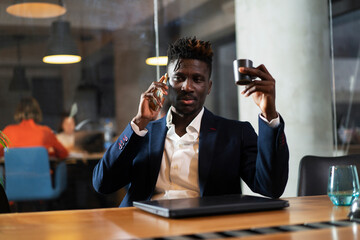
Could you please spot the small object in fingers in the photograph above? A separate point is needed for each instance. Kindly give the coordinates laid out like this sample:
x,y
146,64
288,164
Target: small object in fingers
x,y
165,78
159,94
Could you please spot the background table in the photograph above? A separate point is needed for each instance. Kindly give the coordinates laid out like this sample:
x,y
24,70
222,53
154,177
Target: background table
x,y
125,223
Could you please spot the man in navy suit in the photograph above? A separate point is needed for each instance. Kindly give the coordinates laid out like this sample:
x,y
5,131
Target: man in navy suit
x,y
191,152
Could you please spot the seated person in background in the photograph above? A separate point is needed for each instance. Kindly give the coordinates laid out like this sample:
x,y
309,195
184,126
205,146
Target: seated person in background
x,y
66,135
192,152
28,133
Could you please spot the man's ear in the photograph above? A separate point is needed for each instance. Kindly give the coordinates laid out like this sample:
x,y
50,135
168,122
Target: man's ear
x,y
210,85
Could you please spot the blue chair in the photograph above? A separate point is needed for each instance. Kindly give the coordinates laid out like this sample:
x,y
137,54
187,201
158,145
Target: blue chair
x,y
27,175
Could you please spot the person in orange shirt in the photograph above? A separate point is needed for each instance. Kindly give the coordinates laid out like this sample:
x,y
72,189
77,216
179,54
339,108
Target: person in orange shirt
x,y
28,133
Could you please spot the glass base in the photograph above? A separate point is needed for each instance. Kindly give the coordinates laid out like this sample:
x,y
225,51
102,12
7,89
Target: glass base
x,y
342,199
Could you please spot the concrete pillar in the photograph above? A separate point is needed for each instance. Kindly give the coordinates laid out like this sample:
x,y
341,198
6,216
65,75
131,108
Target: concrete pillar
x,y
292,39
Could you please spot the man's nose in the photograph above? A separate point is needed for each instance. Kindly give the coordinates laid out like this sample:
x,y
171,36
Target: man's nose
x,y
187,85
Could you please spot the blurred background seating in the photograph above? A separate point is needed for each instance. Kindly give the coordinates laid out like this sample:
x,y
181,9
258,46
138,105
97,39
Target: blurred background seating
x,y
28,177
314,172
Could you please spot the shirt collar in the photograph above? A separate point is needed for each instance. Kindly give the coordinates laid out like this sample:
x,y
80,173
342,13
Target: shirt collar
x,y
193,126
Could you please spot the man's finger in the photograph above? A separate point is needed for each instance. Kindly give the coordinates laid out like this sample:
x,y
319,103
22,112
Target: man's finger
x,y
265,87
260,72
151,98
164,78
259,83
158,86
263,68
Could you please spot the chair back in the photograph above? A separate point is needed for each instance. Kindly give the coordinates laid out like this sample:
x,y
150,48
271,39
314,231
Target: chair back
x,y
314,172
4,203
27,175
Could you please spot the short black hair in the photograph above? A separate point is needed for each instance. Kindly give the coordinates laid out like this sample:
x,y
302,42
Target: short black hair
x,y
191,48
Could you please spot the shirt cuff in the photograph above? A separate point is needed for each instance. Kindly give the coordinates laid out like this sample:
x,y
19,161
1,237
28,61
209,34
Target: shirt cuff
x,y
136,129
273,123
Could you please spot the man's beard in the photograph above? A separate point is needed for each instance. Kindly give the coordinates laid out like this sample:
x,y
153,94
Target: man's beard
x,y
175,97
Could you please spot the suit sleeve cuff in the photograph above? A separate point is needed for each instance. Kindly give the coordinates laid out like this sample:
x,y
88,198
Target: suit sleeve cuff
x,y
136,129
274,123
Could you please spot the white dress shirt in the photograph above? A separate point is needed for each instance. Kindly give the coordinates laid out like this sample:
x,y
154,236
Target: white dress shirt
x,y
178,175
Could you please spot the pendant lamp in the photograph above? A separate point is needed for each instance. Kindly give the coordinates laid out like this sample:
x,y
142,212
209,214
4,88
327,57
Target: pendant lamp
x,y
36,8
61,46
19,81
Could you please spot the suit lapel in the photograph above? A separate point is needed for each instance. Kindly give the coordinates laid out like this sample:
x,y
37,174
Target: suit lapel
x,y
207,143
156,148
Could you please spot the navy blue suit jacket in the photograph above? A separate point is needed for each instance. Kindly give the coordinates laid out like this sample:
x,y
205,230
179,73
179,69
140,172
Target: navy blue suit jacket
x,y
228,150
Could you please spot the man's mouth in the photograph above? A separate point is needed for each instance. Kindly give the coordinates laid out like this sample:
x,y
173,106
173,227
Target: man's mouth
x,y
187,100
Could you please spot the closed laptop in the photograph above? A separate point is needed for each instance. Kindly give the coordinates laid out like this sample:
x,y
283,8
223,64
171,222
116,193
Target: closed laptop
x,y
212,205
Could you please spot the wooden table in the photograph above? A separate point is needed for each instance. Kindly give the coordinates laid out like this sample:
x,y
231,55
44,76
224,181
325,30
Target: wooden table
x,y
130,223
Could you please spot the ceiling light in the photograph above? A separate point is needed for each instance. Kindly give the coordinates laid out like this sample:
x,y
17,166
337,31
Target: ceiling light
x,y
61,47
37,8
154,61
61,59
